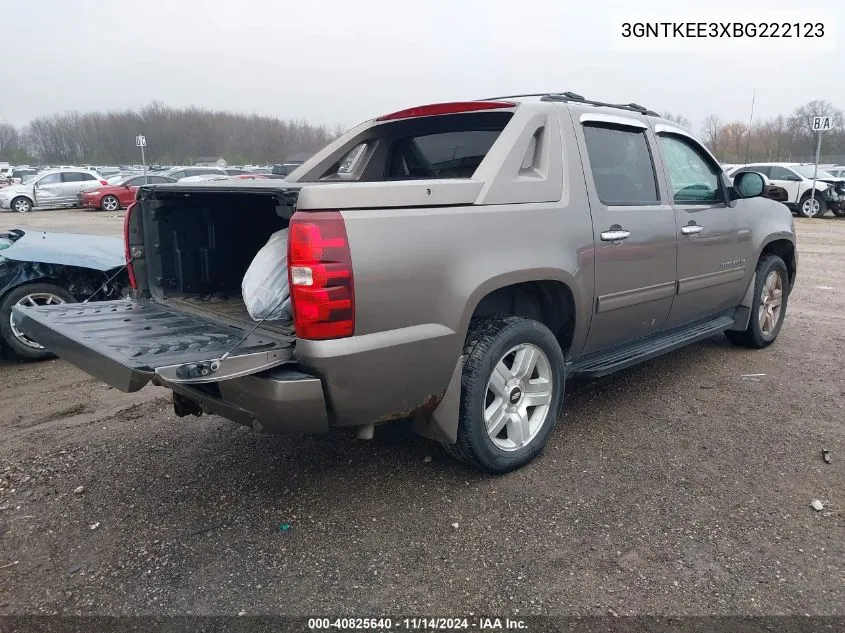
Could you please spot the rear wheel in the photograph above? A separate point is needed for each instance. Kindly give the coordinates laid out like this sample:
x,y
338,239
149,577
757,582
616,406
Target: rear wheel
x,y
28,295
839,212
771,293
109,203
511,393
813,207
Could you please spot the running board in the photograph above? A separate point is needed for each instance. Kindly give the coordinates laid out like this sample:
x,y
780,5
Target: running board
x,y
606,362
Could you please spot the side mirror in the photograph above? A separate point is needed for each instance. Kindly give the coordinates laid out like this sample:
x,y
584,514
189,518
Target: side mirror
x,y
749,184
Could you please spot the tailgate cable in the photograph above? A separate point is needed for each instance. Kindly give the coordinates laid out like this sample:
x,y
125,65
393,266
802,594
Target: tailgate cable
x,y
110,279
197,370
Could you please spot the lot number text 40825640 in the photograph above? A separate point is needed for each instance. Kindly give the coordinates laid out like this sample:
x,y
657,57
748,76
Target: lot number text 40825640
x,y
417,624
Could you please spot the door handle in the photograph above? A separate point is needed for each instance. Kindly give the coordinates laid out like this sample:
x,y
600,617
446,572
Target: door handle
x,y
691,229
615,235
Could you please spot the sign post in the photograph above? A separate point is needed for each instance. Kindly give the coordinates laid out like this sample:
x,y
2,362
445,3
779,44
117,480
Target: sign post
x,y
820,124
141,141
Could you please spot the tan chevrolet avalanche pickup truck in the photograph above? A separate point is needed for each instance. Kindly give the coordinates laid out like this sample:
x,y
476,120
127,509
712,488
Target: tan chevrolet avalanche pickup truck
x,y
453,263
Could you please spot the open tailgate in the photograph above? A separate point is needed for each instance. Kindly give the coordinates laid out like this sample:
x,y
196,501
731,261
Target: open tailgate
x,y
124,342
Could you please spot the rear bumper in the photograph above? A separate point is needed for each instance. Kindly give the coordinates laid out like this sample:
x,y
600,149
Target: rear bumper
x,y
280,400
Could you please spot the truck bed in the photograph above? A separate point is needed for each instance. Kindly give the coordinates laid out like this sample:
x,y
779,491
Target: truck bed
x,y
231,309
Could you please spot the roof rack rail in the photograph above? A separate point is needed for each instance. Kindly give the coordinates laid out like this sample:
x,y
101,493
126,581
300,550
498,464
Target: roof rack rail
x,y
575,97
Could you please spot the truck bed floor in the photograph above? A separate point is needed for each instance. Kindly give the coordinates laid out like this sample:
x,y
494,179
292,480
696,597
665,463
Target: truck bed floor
x,y
230,308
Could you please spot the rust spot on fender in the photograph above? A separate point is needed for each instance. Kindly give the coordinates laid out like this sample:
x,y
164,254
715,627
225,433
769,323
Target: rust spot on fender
x,y
428,405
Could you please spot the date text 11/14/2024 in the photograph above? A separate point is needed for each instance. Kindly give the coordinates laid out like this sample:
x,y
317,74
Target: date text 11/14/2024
x,y
417,624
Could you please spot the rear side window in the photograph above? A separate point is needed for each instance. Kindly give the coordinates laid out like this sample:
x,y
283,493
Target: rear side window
x,y
781,173
622,166
73,176
422,148
50,179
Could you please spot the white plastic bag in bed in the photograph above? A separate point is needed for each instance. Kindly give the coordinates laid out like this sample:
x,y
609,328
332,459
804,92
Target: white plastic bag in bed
x,y
265,284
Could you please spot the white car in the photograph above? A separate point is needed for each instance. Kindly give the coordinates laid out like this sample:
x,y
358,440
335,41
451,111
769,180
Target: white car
x,y
836,172
797,180
49,189
203,178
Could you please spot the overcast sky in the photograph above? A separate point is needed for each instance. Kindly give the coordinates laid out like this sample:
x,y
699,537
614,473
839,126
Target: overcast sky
x,y
334,62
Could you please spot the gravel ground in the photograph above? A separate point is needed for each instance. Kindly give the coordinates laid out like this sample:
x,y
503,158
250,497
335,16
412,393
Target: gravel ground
x,y
675,488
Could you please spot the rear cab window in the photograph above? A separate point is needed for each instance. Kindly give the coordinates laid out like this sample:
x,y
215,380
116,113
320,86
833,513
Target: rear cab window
x,y
425,148
621,164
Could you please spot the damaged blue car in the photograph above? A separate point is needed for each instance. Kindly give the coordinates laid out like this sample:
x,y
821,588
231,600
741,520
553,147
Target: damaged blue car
x,y
44,268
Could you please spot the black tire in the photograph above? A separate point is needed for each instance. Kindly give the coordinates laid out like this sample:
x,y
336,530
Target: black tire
x,y
753,336
21,204
18,347
822,206
839,212
103,206
488,341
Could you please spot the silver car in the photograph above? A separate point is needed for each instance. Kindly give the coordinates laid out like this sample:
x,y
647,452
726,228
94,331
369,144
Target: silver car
x,y
49,189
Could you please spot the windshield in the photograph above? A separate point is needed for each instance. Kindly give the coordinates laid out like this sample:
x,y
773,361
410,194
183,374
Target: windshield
x,y
807,171
27,178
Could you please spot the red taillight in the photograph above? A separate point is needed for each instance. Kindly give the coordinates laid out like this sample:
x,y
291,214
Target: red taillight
x,y
320,275
104,182
447,108
129,268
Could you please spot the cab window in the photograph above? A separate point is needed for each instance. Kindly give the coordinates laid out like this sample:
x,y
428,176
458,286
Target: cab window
x,y
693,179
621,163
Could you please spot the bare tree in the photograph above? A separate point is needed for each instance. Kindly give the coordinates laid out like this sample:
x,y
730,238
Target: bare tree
x,y
734,135
711,131
173,136
680,119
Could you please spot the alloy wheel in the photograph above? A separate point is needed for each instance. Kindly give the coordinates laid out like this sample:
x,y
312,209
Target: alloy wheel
x,y
110,203
33,300
771,301
811,207
518,397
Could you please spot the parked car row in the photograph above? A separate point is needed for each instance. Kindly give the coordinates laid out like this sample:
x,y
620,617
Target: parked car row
x,y
51,188
797,181
91,189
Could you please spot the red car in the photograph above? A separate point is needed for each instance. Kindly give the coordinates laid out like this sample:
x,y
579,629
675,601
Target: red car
x,y
119,195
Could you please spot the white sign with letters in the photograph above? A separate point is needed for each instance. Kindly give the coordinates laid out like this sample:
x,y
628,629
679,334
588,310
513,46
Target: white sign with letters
x,y
822,123
141,140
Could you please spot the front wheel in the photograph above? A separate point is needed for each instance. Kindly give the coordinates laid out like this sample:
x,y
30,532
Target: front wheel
x,y
28,295
768,309
21,205
813,207
511,393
